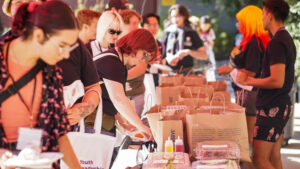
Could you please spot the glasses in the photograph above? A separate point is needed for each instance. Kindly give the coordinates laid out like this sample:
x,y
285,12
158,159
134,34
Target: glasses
x,y
147,56
112,32
63,50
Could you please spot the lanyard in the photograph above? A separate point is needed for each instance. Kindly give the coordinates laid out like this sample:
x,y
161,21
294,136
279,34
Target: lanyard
x,y
29,109
279,29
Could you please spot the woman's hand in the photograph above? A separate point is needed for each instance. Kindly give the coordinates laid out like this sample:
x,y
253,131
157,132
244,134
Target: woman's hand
x,y
146,131
224,70
241,77
79,111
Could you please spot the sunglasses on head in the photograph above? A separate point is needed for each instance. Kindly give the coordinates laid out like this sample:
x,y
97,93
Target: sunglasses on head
x,y
112,31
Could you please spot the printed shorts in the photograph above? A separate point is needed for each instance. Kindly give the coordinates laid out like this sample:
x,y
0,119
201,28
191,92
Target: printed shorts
x,y
270,122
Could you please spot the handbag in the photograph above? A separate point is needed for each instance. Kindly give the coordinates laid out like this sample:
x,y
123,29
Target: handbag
x,y
93,150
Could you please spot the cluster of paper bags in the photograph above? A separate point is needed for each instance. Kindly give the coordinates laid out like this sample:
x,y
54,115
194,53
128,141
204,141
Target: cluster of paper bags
x,y
197,111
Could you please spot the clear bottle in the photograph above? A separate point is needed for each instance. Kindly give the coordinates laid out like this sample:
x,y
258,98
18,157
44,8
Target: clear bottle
x,y
169,145
178,145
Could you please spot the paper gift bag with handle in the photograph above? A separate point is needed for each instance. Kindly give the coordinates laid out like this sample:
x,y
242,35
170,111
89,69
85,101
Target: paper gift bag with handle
x,y
218,85
167,95
225,94
194,80
205,126
93,150
168,128
175,80
198,90
168,123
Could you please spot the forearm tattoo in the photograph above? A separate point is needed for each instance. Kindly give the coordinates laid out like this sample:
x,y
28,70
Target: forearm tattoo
x,y
86,109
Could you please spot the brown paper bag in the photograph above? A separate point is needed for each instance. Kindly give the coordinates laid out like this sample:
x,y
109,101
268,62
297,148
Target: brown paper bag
x,y
168,128
198,90
218,107
162,129
194,80
218,127
167,95
218,85
171,80
222,95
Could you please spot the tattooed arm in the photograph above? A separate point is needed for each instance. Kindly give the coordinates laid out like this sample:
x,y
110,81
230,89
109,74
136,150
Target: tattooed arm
x,y
87,106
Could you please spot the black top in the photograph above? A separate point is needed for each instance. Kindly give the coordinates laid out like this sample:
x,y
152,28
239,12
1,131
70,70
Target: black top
x,y
190,40
251,58
280,50
79,66
112,68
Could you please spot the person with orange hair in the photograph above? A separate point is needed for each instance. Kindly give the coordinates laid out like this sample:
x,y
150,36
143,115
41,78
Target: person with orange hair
x,y
247,56
274,105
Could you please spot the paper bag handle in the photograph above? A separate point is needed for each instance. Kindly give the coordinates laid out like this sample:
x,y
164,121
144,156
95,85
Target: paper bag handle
x,y
215,96
149,97
98,119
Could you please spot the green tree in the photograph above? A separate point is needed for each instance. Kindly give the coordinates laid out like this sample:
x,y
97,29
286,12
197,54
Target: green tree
x,y
293,26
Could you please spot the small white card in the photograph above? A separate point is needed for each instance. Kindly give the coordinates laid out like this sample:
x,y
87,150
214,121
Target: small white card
x,y
29,137
73,92
234,75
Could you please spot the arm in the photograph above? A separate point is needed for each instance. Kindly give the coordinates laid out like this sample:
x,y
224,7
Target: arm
x,y
137,70
69,156
199,54
87,106
274,81
224,70
117,95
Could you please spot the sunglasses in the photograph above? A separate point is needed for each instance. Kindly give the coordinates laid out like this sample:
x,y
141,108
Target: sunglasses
x,y
112,32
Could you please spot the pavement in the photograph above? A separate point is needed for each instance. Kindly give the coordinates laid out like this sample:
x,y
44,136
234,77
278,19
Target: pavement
x,y
290,153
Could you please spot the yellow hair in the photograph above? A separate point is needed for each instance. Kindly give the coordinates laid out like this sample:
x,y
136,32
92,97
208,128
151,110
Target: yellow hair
x,y
250,19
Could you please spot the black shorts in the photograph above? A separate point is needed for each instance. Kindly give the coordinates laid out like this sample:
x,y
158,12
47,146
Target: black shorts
x,y
270,122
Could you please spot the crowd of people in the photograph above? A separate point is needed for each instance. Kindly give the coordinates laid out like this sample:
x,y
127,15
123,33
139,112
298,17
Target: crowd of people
x,y
49,52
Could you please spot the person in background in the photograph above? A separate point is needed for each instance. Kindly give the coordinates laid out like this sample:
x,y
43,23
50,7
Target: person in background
x,y
208,36
38,104
248,57
183,44
277,77
151,23
10,7
135,88
204,28
88,20
118,5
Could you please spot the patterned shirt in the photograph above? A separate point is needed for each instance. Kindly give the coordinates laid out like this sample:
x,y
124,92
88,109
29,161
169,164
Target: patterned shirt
x,y
52,117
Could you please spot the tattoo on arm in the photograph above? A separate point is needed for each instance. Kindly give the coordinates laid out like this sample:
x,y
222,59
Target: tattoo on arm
x,y
86,109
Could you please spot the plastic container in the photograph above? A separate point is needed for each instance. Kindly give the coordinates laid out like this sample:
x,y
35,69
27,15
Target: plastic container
x,y
212,150
179,145
216,164
169,145
159,159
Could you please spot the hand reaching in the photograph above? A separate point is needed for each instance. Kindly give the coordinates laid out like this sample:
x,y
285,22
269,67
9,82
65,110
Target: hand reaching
x,y
223,70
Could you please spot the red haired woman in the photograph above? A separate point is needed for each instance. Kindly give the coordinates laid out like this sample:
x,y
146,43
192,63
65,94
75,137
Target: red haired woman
x,y
131,49
248,57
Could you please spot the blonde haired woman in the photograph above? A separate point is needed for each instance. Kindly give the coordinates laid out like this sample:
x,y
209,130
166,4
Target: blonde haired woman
x,y
110,26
